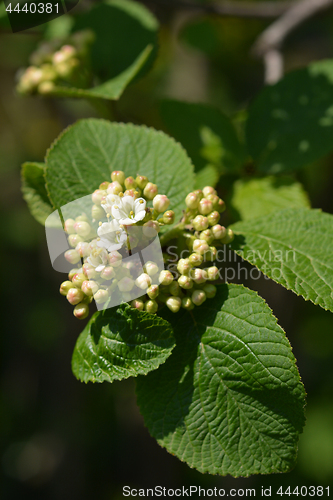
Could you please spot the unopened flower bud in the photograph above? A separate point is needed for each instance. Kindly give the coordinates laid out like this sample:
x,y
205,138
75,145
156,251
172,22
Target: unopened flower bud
x,y
198,297
192,200
153,291
168,217
69,226
118,175
74,296
151,268
174,289
107,273
208,190
143,281
81,311
82,218
150,191
174,304
211,254
200,246
115,258
213,218
200,223
130,183
89,271
130,192
97,196
220,206
210,291
199,276
97,212
101,296
150,228
187,303
89,287
114,188
165,278
184,266
45,88
82,228
104,185
65,287
218,231
138,304
82,248
205,206
74,271
141,181
228,237
74,239
126,284
199,193
212,273
72,256
78,279
161,203
151,306
195,259
185,282
207,236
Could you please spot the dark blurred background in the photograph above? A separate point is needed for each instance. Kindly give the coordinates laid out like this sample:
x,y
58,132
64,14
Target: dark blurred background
x,y
59,438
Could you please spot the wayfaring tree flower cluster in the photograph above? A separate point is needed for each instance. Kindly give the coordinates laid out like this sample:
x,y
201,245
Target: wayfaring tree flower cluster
x,y
117,256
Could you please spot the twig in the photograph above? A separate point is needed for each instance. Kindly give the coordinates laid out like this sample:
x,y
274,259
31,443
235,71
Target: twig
x,y
230,9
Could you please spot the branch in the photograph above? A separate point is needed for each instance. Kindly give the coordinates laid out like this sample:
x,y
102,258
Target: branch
x,y
235,8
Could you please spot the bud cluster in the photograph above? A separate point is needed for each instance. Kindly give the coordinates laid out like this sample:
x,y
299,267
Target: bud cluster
x,y
58,63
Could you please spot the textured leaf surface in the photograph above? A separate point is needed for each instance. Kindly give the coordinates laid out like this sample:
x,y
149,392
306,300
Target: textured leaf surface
x,y
257,197
34,191
86,153
119,343
112,89
229,399
207,176
290,124
294,247
207,134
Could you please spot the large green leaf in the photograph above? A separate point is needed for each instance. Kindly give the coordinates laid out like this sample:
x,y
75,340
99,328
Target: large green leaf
x,y
206,133
290,124
229,400
34,191
294,247
207,176
257,197
119,343
86,153
123,29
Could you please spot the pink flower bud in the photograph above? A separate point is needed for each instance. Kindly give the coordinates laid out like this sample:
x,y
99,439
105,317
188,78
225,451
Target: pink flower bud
x,y
69,226
143,281
114,188
151,306
74,239
78,279
107,273
82,249
74,296
119,176
165,278
192,200
200,223
89,287
72,256
150,191
97,196
174,304
184,266
138,304
228,238
219,232
208,190
168,217
104,185
153,291
82,228
150,228
199,193
141,181
81,311
82,217
74,271
126,284
161,203
212,273
210,291
89,271
199,276
200,246
151,268
187,303
65,287
207,236
174,289
213,218
130,183
220,206
115,258
196,259
185,282
198,297
205,206
101,296
211,254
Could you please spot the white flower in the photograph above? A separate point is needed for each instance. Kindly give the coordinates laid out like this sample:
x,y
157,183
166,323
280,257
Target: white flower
x,y
98,259
110,200
112,237
129,211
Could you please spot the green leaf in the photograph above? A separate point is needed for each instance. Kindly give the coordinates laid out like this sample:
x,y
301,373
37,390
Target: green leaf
x,y
34,191
206,133
290,124
294,248
112,89
123,30
207,176
257,197
86,153
229,400
121,342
